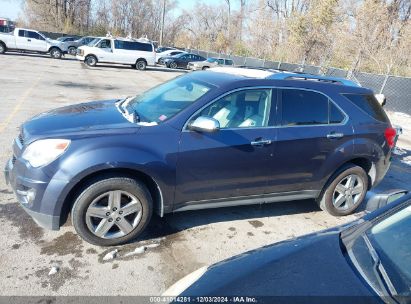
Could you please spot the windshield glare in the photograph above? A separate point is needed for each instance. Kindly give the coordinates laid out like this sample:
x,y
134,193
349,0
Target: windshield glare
x,y
93,42
166,100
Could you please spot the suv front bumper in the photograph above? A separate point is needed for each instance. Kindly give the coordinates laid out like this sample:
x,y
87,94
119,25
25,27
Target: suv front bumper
x,y
30,194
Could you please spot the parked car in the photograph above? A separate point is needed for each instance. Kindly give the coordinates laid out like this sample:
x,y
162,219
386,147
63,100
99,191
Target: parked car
x,y
66,39
32,41
168,53
74,44
162,49
209,63
181,60
215,138
366,261
136,53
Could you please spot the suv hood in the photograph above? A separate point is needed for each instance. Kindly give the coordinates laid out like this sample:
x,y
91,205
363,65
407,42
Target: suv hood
x,y
91,117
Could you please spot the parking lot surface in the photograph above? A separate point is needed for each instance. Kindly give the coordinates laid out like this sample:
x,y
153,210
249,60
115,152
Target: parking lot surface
x,y
172,246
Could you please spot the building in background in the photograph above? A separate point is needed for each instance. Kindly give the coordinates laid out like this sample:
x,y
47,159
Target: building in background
x,y
6,25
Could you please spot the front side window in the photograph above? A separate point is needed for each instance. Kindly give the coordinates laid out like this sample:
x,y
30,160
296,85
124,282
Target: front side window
x,y
220,61
306,108
21,33
104,44
166,100
211,60
243,109
229,62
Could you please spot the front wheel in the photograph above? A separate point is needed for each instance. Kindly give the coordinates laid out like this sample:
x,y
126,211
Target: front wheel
x,y
91,61
2,48
112,211
173,65
345,191
55,53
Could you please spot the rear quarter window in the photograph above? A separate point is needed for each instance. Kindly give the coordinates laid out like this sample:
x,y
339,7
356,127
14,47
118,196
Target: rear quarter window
x,y
368,104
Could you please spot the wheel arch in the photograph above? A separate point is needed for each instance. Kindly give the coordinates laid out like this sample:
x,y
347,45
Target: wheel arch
x,y
54,47
151,184
143,59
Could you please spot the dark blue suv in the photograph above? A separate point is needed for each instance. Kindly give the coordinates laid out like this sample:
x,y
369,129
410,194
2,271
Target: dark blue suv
x,y
222,137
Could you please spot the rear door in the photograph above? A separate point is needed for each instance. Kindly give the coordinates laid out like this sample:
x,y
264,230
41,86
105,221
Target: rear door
x,y
312,128
21,40
232,162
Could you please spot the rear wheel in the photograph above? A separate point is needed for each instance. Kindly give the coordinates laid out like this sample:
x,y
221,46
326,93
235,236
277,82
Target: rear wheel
x,y
55,53
205,68
3,48
345,191
72,50
141,65
112,211
173,65
91,61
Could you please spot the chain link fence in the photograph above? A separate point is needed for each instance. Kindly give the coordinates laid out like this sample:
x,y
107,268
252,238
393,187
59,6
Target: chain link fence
x,y
396,89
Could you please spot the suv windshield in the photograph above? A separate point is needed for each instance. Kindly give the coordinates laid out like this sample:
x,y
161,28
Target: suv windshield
x,y
166,100
383,254
211,60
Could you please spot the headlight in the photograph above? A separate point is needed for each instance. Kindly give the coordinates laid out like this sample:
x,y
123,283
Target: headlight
x,y
43,152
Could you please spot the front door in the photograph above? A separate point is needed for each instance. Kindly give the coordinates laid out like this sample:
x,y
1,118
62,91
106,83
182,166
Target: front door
x,y
36,42
311,134
105,51
233,161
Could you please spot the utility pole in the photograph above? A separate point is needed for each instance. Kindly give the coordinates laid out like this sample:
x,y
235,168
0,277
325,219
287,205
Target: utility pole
x,y
162,23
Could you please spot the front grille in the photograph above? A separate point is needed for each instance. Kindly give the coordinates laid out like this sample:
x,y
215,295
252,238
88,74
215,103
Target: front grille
x,y
21,139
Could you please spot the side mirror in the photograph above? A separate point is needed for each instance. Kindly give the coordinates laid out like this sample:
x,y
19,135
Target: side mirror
x,y
204,124
382,199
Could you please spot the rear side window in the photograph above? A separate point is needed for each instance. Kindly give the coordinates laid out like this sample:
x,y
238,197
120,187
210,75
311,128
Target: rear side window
x,y
304,108
133,46
369,104
301,107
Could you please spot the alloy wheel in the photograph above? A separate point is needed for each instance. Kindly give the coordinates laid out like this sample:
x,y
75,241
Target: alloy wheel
x,y
113,214
348,192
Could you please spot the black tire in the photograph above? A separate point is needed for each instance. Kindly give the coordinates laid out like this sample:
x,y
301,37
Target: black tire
x,y
205,68
72,50
3,48
172,65
99,187
141,64
330,194
91,60
55,53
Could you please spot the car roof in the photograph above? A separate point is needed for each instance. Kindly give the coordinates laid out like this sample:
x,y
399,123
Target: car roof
x,y
243,77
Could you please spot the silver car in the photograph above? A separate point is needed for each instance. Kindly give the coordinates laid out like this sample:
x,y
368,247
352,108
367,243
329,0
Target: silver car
x,y
210,63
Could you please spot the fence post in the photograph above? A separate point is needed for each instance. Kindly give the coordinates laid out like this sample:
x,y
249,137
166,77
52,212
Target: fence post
x,y
384,83
279,65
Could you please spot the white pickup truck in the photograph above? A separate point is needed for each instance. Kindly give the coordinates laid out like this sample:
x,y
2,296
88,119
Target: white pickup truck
x,y
31,41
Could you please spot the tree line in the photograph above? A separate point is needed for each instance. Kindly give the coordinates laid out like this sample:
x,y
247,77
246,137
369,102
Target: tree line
x,y
367,35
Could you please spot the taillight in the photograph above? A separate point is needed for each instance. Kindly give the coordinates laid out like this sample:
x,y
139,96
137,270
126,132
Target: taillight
x,y
390,134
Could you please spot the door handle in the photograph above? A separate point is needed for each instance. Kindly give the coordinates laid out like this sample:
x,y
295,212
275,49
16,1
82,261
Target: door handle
x,y
29,40
261,142
334,135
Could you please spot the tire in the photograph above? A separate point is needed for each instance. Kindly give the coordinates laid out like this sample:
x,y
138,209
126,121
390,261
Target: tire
x,y
55,53
172,65
335,198
94,199
141,65
91,60
72,50
205,68
3,48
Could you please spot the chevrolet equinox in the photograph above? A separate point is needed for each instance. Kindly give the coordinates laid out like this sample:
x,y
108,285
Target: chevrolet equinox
x,y
215,138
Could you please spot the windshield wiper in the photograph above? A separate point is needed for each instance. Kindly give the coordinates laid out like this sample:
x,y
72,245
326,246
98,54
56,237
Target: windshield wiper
x,y
379,270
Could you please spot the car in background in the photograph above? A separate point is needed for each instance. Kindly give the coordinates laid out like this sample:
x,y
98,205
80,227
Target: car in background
x,y
135,52
209,63
169,53
72,45
365,261
31,41
208,139
164,48
181,60
66,39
